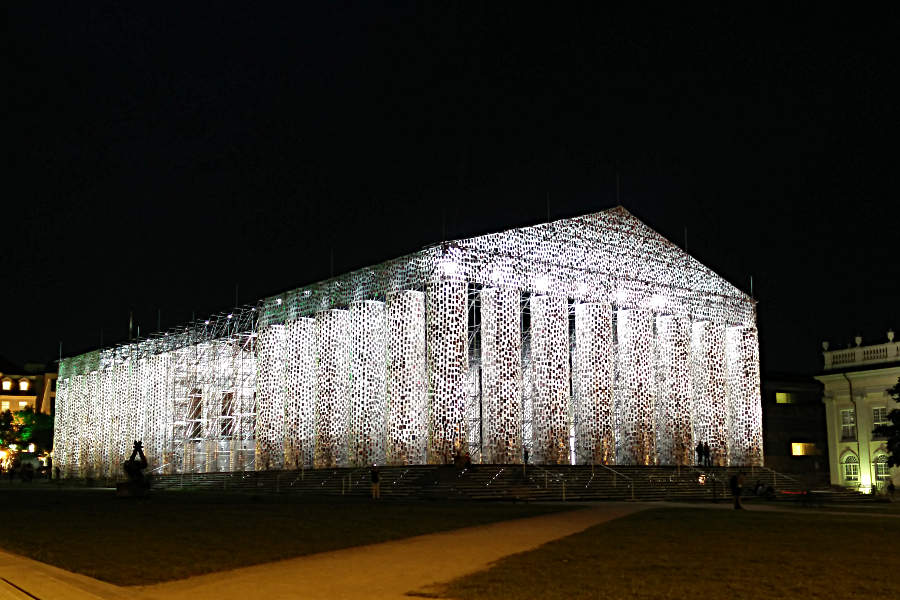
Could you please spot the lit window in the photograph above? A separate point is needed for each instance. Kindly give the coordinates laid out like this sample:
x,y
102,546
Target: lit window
x,y
802,449
784,398
851,468
23,385
23,403
7,385
881,468
848,424
879,416
4,406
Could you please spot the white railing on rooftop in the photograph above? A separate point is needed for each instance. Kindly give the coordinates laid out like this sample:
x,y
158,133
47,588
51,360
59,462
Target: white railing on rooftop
x,y
862,355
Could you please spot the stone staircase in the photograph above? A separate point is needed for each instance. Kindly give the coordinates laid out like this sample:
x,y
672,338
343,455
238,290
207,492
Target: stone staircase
x,y
493,482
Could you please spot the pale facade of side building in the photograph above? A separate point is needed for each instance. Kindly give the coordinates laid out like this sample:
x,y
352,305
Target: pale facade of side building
x,y
856,400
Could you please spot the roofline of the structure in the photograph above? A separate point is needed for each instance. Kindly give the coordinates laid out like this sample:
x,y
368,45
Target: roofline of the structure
x,y
199,323
747,297
618,209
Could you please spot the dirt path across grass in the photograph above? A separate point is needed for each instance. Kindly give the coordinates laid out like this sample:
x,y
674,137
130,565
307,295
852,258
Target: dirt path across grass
x,y
25,579
391,569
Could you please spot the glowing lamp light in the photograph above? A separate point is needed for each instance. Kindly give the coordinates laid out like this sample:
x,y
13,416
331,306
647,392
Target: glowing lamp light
x,y
620,296
450,267
31,447
582,288
230,315
542,283
278,301
206,322
657,302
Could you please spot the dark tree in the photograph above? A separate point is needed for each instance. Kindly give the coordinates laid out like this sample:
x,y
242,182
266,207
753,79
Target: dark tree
x,y
8,433
25,427
892,431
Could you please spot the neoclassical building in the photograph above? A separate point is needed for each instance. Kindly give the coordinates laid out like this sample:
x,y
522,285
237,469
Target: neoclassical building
x,y
585,340
856,400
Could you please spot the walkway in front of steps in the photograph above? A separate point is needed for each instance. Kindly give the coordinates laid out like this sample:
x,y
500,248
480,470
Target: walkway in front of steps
x,y
387,570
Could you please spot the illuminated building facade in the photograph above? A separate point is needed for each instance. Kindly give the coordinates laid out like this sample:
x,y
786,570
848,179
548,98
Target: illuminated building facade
x,y
586,340
856,381
29,387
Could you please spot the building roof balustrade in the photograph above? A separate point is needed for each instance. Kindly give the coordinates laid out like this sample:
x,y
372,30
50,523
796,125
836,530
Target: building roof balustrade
x,y
888,352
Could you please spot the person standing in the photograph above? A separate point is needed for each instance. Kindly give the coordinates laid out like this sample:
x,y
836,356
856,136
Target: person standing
x,y
737,486
376,482
699,454
707,459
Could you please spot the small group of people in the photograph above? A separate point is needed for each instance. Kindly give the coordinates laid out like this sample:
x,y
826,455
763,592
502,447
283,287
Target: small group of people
x,y
24,471
704,456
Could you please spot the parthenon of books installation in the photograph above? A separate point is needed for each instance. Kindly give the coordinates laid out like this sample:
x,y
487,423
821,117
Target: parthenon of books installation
x,y
586,340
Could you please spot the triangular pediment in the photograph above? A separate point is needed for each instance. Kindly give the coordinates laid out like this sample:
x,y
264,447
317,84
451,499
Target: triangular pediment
x,y
612,245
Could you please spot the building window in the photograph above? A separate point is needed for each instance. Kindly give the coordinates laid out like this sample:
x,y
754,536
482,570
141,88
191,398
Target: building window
x,y
23,385
881,468
879,416
848,424
7,385
4,406
22,404
802,449
784,398
851,468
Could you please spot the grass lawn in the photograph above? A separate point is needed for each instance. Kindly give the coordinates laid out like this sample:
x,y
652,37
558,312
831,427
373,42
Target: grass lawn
x,y
172,535
706,554
861,508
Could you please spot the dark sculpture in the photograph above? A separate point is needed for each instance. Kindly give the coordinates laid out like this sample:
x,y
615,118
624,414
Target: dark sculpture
x,y
137,484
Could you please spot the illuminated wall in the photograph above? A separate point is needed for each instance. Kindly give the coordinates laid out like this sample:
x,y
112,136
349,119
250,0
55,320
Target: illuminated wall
x,y
593,382
501,358
590,339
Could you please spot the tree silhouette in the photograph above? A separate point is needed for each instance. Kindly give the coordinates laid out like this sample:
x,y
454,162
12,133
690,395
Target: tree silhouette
x,y
892,431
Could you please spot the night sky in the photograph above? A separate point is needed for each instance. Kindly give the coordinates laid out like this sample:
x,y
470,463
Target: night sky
x,y
158,156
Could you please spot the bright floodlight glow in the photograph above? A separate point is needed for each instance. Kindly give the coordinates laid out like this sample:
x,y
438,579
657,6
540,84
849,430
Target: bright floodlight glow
x,y
278,301
450,267
542,283
620,296
657,302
